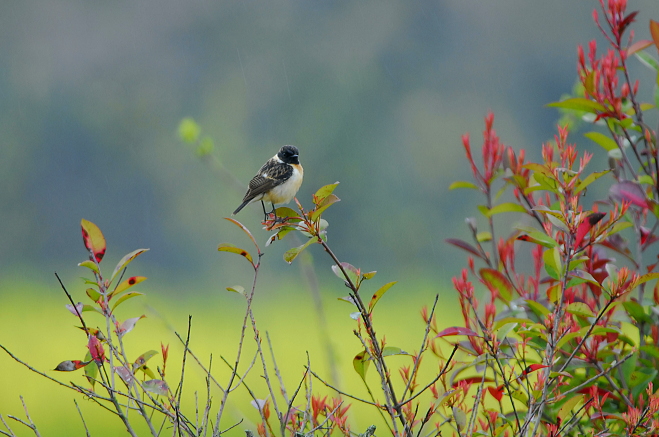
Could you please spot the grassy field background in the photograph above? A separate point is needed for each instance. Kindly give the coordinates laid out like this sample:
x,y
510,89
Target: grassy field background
x,y
36,327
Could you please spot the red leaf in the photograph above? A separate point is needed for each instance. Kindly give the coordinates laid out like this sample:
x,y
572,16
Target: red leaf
x,y
496,392
96,350
586,225
532,368
456,330
464,246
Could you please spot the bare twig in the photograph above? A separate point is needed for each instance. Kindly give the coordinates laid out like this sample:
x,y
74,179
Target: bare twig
x,y
341,392
290,403
424,346
11,433
82,418
179,389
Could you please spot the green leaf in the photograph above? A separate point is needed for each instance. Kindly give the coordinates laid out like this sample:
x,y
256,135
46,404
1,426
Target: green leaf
x,y
505,207
462,184
91,265
505,330
520,396
93,239
628,368
125,285
369,275
86,308
590,179
237,289
125,297
352,272
93,294
571,336
539,309
392,350
156,386
361,363
636,311
327,202
554,293
555,217
537,237
578,104
645,278
511,320
290,214
291,254
188,130
581,276
495,280
619,226
579,309
228,247
140,362
606,142
125,261
483,236
647,59
640,379
323,193
460,418
378,294
552,260
91,370
566,409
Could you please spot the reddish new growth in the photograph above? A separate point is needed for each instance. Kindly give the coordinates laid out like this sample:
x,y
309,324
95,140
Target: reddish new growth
x,y
599,76
492,153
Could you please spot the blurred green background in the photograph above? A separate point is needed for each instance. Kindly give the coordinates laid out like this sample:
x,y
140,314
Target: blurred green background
x,y
375,94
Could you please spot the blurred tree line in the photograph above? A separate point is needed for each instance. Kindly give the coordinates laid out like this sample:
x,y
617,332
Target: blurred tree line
x,y
375,95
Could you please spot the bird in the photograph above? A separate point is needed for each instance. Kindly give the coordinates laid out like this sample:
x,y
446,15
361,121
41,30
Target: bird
x,y
277,181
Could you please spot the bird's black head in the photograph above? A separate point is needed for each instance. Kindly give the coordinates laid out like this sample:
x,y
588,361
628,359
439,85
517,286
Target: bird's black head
x,y
289,154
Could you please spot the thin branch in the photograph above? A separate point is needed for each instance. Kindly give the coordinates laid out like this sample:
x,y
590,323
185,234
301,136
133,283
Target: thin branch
x,y
431,383
179,389
82,418
423,348
290,403
328,385
2,419
207,371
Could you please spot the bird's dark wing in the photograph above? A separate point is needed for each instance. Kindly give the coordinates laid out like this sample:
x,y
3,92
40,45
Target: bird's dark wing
x,y
268,177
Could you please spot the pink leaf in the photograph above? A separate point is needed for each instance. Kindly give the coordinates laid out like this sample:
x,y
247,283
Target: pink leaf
x,y
125,374
631,192
128,325
96,350
77,310
456,330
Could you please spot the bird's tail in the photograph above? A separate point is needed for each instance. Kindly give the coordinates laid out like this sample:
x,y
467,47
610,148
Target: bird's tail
x,y
242,205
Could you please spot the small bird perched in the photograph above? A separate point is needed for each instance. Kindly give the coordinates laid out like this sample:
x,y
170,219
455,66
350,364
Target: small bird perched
x,y
277,181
